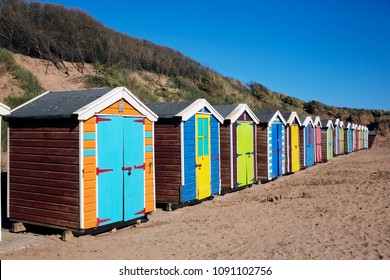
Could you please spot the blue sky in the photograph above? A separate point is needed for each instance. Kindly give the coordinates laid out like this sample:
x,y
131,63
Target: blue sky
x,y
333,51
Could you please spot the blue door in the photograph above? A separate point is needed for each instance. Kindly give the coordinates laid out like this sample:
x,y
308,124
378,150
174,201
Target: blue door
x,y
134,178
280,149
309,145
109,169
120,169
277,149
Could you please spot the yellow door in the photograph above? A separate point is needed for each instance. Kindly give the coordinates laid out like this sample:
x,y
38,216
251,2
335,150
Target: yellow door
x,y
295,165
203,173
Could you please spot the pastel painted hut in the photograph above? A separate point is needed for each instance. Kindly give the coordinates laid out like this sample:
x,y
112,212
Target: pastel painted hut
x,y
270,145
238,147
360,137
336,137
307,141
187,152
348,138
4,110
327,139
292,156
318,139
342,138
365,138
353,133
81,159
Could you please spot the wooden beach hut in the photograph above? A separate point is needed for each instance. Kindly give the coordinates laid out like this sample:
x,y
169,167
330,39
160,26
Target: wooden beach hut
x,y
80,160
365,141
318,139
327,139
270,145
238,147
348,138
353,133
292,156
342,138
307,141
360,137
4,111
187,152
336,137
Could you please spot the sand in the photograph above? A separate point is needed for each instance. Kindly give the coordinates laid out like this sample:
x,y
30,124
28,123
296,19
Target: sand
x,y
335,210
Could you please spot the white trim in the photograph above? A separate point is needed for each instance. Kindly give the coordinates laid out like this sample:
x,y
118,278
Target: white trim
x,y
28,102
195,107
291,118
4,109
81,172
277,114
231,156
317,122
96,166
308,120
111,97
239,110
268,156
182,153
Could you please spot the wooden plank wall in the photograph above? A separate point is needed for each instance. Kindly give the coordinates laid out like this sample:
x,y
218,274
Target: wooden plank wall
x,y
44,173
225,156
262,151
167,162
325,144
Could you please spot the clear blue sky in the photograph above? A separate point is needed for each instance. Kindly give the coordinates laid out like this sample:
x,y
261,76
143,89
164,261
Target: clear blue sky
x,y
333,51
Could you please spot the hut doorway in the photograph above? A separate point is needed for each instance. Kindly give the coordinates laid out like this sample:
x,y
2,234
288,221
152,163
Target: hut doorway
x,y
120,171
203,172
245,154
277,150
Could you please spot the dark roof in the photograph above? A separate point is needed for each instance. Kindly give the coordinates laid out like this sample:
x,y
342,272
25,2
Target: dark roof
x,y
286,115
265,117
225,110
324,123
167,110
57,104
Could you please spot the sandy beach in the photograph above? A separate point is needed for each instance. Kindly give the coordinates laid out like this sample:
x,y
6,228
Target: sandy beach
x,y
335,210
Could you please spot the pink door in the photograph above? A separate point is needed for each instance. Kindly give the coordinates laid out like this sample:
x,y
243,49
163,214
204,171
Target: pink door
x,y
318,144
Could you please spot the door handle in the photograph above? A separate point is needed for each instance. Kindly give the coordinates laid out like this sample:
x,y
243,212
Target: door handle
x,y
127,169
198,165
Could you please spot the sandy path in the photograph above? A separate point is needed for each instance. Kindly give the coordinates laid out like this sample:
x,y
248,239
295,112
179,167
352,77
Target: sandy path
x,y
336,210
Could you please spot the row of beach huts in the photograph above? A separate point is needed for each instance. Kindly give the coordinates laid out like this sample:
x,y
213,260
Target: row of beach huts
x,y
95,159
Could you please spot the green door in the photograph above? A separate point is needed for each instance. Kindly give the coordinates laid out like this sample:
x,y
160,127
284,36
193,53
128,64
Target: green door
x,y
245,154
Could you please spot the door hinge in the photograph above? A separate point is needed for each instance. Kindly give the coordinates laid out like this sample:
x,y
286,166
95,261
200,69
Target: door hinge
x,y
140,121
98,170
99,119
140,166
100,221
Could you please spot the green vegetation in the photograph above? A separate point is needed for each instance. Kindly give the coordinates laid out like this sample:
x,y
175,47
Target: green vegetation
x,y
26,80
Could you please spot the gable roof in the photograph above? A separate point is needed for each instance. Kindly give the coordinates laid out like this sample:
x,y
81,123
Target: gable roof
x,y
308,120
317,121
327,123
289,117
183,110
233,112
79,104
269,117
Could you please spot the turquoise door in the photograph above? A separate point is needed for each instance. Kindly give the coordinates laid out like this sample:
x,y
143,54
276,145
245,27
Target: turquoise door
x,y
309,145
109,169
133,156
120,169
